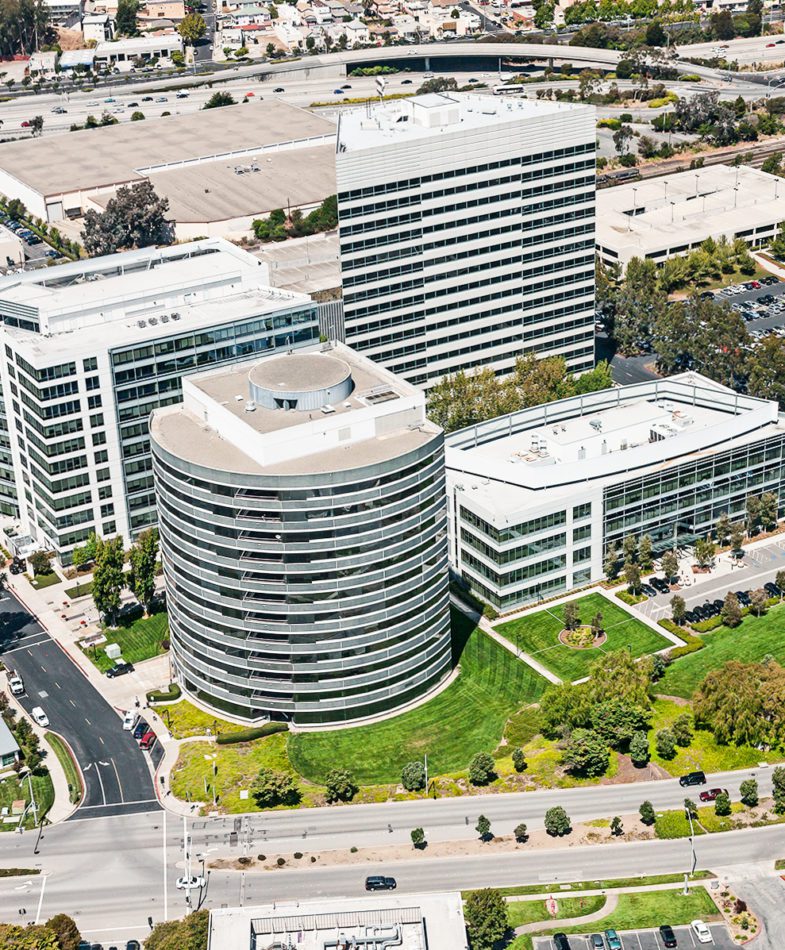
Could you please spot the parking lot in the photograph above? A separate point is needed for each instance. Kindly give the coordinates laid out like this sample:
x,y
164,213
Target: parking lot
x,y
648,940
763,307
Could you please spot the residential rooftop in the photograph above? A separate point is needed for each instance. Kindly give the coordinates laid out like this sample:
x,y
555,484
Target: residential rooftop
x,y
687,207
128,152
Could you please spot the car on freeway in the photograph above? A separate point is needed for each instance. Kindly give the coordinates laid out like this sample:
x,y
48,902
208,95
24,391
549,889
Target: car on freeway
x,y
560,942
710,795
337,92
161,99
110,99
668,937
15,683
186,883
129,720
279,89
140,729
613,940
40,717
376,882
59,110
770,45
184,95
693,778
346,85
701,931
147,98
25,124
406,82
119,669
147,741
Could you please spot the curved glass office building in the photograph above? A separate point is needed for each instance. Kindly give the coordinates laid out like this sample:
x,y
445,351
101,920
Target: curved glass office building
x,y
303,530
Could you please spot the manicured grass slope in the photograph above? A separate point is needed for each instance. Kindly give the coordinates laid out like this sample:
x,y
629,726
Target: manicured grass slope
x,y
139,640
537,634
467,717
753,639
527,912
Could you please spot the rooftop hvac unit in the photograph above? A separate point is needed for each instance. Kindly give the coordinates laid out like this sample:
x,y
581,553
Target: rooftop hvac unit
x,y
582,452
141,323
604,447
328,410
596,424
623,444
153,321
164,318
175,316
250,406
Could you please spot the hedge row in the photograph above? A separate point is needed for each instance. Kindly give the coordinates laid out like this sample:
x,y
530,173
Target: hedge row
x,y
631,599
691,643
164,695
247,735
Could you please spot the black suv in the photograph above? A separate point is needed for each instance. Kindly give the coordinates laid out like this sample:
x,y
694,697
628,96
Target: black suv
x,y
378,883
693,778
667,936
560,942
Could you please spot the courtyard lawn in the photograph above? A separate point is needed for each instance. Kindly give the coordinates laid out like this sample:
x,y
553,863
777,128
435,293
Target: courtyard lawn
x,y
465,718
183,720
754,638
139,639
538,635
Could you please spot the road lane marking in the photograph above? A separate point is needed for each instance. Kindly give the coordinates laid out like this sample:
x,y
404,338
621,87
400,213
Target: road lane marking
x,y
40,899
100,739
72,703
166,876
43,668
58,685
87,721
119,783
101,783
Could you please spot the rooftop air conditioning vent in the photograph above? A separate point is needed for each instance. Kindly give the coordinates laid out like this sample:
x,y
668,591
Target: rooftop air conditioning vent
x,y
153,321
164,318
596,424
239,398
250,406
141,323
175,316
328,410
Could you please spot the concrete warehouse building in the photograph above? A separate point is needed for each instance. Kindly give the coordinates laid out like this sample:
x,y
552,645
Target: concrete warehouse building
x,y
301,508
380,922
663,217
212,165
91,348
467,232
536,497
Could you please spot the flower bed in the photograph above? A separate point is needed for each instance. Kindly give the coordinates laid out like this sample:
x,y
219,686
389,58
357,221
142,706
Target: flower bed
x,y
582,637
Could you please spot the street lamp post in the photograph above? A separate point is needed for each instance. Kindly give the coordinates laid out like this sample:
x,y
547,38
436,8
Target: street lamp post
x,y
692,852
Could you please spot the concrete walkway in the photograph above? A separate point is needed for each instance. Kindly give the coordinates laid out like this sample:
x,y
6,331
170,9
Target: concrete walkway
x,y
608,907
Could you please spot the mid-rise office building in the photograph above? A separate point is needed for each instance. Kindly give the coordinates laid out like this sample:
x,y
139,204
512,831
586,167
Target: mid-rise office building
x,y
467,232
302,519
92,347
538,496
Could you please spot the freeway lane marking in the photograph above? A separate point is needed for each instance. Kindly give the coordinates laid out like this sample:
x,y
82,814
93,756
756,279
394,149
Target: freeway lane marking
x,y
87,721
58,685
72,703
101,783
119,783
101,740
40,899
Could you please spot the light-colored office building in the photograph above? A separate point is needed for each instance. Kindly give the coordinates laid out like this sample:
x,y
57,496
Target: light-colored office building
x,y
672,215
301,506
378,922
536,497
92,347
467,232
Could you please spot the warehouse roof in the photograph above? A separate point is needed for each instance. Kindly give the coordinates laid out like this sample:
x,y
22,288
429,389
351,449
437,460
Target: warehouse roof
x,y
118,154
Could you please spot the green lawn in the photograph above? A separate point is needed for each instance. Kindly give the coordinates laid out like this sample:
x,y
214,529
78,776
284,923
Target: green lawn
x,y
69,766
40,581
12,789
80,589
139,640
555,888
183,719
537,634
465,718
754,638
643,909
527,912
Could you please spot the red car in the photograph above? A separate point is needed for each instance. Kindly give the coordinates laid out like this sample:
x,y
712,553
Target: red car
x,y
25,124
711,794
768,45
147,741
756,284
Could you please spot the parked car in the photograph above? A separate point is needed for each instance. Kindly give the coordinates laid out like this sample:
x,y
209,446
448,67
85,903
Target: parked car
x,y
772,590
691,617
693,778
612,940
140,729
16,684
660,584
711,794
378,883
743,598
596,942
701,931
148,741
668,937
560,942
718,605
133,945
119,669
337,92
40,717
129,720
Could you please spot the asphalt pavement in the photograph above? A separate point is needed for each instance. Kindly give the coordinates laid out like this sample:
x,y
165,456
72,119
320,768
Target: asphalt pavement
x,y
117,777
646,939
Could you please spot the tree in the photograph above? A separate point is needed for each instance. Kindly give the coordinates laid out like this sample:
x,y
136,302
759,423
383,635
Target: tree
x,y
639,749
704,552
340,786
779,580
486,918
731,610
737,537
586,752
219,99
521,833
630,548
645,554
189,933
144,560
108,577
543,15
632,575
658,667
596,624
519,760
665,743
749,792
655,35
670,565
722,806
753,514
678,609
41,562
413,776
271,788
611,565
722,529
192,27
778,788
418,837
617,828
557,822
483,828
134,217
137,116
482,768
621,139
742,703
571,615
65,930
759,600
768,510
682,730
648,816
617,720
37,125
125,21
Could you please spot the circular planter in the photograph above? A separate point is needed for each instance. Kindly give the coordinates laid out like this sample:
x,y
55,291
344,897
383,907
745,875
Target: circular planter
x,y
581,638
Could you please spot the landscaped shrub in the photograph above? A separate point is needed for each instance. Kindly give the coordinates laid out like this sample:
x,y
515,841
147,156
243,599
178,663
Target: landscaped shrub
x,y
248,735
172,692
691,643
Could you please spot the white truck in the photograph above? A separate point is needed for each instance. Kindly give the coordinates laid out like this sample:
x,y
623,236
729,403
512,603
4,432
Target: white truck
x,y
15,683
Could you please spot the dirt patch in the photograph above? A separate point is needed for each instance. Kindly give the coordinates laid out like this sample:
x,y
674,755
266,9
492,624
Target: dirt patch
x,y
628,773
678,700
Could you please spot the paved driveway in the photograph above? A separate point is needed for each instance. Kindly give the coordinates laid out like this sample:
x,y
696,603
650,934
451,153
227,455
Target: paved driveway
x,y
649,940
117,777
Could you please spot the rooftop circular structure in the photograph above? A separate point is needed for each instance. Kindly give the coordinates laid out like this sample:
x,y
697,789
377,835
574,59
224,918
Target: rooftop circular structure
x,y
300,381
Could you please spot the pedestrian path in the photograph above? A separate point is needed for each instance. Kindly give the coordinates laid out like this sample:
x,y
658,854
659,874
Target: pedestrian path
x,y
607,908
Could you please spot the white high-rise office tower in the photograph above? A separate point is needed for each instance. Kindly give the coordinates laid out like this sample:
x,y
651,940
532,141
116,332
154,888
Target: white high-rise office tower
x,y
467,232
